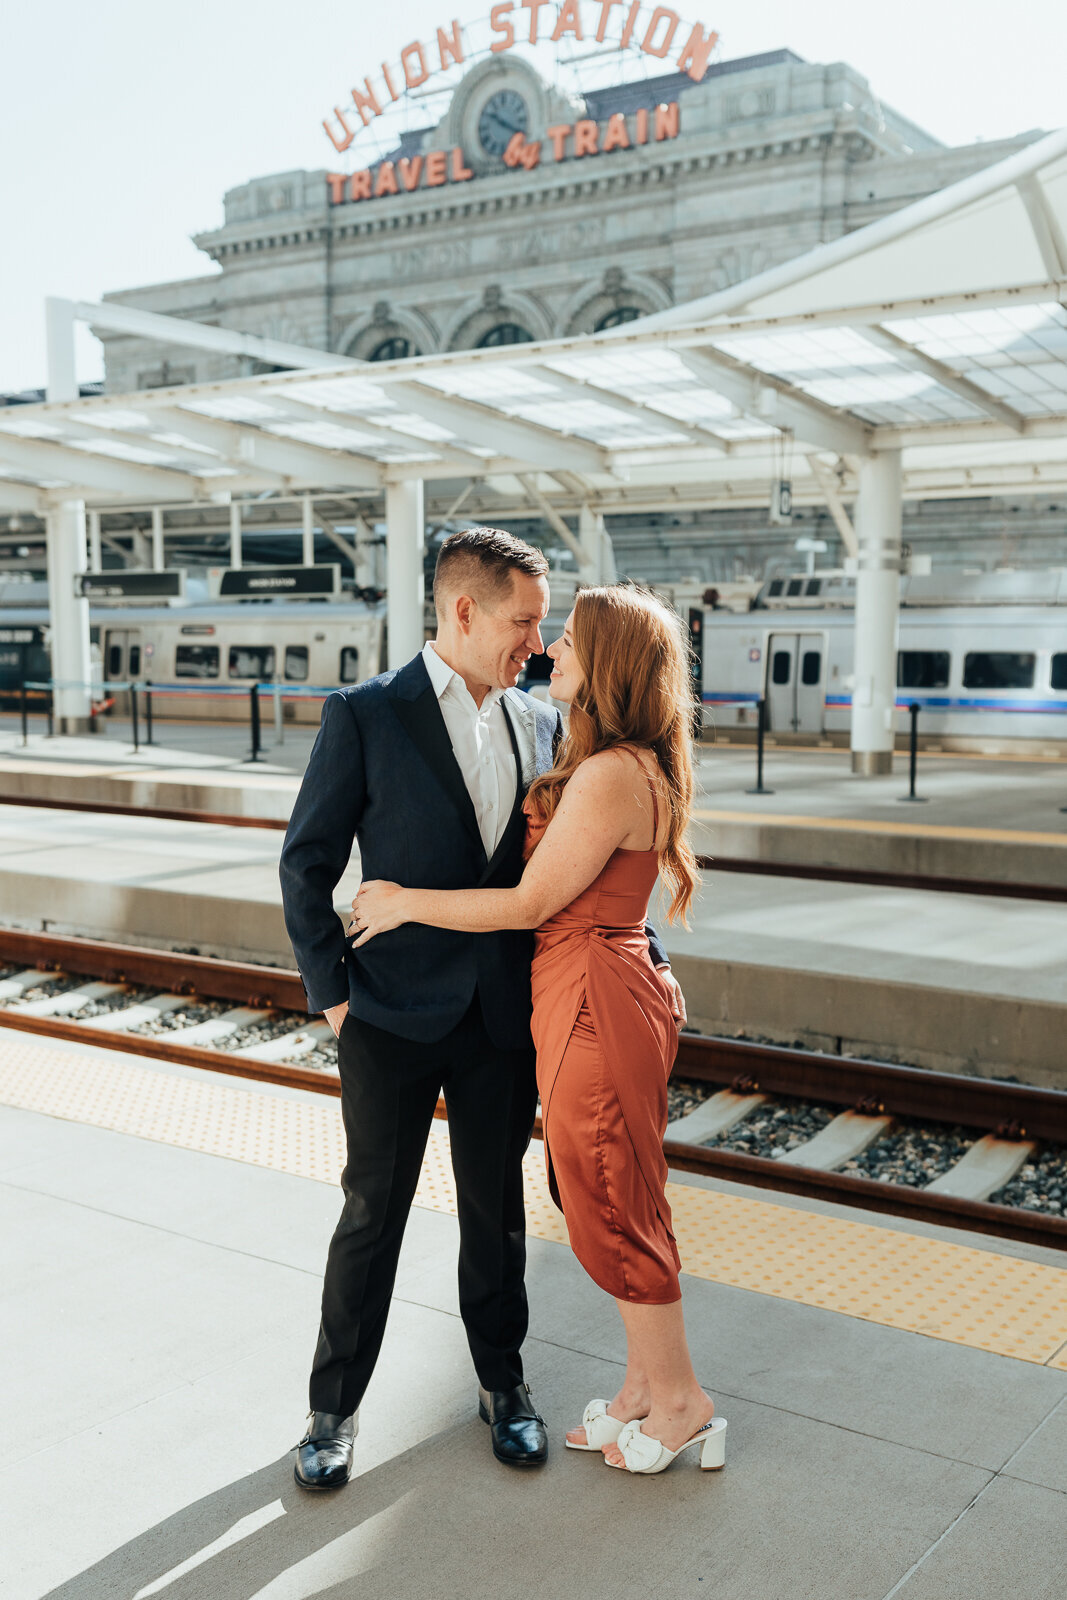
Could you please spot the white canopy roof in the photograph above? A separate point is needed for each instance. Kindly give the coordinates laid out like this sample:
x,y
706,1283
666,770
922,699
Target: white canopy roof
x,y
940,330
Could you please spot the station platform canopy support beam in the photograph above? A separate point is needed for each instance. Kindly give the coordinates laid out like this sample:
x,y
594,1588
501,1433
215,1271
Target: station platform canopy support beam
x,y
874,692
405,548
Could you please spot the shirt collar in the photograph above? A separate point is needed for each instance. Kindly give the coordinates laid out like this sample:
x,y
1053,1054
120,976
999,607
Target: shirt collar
x,y
443,677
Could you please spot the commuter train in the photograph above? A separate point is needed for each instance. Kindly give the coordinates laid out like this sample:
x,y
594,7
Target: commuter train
x,y
984,655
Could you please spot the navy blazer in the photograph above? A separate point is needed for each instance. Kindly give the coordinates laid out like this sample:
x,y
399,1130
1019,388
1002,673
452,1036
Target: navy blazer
x,y
382,771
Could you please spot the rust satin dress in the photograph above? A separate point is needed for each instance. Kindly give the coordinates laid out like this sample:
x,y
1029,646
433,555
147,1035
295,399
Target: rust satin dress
x,y
606,1042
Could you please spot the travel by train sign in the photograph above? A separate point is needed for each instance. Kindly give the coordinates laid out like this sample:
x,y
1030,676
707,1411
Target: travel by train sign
x,y
602,26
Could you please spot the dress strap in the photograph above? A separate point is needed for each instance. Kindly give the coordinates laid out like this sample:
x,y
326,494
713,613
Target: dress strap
x,y
655,804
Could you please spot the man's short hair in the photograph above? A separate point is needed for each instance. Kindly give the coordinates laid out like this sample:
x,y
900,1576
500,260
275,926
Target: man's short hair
x,y
480,561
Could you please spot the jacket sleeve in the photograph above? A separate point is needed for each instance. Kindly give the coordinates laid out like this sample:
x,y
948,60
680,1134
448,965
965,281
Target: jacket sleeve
x,y
317,850
659,956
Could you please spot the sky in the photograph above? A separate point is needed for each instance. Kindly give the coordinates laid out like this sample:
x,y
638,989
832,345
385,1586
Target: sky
x,y
123,123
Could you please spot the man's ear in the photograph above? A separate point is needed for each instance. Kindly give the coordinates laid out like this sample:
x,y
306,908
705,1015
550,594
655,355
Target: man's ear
x,y
463,610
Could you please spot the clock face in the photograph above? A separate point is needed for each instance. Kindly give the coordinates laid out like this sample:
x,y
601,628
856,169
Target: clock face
x,y
503,115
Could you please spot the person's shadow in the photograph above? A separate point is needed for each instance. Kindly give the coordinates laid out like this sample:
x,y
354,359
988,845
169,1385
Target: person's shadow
x,y
285,1525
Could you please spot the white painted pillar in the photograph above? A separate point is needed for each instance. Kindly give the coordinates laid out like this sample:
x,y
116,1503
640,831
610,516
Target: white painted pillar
x,y
96,563
406,545
874,692
594,540
158,560
68,616
235,533
307,553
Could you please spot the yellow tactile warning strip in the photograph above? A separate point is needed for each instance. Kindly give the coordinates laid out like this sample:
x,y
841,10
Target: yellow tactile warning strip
x,y
927,830
947,1291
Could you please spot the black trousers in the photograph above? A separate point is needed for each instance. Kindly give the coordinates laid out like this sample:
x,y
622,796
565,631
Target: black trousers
x,y
389,1089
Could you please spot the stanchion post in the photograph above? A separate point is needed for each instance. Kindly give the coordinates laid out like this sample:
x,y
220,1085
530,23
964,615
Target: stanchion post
x,y
133,713
761,728
913,758
148,739
25,712
50,708
253,708
279,722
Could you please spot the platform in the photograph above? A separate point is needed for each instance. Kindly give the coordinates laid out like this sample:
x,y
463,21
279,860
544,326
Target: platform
x,y
948,981
897,1395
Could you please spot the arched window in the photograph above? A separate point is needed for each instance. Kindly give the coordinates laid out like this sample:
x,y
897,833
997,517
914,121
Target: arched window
x,y
615,319
505,333
394,349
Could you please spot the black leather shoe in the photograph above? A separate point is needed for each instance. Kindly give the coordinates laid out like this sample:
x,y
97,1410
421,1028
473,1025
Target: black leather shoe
x,y
324,1454
519,1435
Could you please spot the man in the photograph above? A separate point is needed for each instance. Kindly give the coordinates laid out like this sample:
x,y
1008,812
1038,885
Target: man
x,y
427,767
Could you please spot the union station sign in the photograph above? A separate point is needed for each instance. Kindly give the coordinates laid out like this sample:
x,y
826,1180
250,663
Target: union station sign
x,y
503,130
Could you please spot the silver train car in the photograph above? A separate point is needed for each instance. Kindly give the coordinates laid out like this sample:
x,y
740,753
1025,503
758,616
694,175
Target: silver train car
x,y
983,655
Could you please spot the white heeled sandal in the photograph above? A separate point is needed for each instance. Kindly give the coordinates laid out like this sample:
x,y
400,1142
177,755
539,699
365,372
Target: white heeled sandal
x,y
642,1453
600,1429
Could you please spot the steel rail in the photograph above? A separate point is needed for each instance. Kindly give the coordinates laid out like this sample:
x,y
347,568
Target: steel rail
x,y
1010,1110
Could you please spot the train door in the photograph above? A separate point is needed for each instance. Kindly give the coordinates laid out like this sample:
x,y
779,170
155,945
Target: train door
x,y
123,659
795,675
123,654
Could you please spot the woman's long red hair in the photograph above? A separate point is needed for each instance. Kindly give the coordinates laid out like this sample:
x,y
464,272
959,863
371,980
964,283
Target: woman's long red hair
x,y
636,690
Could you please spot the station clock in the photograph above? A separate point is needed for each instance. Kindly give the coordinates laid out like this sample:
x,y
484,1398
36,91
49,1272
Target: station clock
x,y
504,114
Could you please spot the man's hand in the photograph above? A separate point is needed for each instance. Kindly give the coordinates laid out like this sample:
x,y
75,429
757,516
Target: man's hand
x,y
674,995
335,1016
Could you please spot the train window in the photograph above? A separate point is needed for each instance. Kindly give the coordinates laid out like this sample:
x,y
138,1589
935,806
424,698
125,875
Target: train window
x,y
135,660
196,661
811,667
814,586
795,586
922,669
781,666
114,660
296,662
252,661
349,664
998,669
1059,671
775,589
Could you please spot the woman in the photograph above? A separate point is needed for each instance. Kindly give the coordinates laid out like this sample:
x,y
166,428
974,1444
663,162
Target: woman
x,y
602,825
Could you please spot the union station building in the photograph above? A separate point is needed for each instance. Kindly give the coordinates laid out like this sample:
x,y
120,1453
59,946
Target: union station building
x,y
528,211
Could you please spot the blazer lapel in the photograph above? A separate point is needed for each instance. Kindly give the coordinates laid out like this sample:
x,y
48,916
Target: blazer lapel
x,y
415,704
522,724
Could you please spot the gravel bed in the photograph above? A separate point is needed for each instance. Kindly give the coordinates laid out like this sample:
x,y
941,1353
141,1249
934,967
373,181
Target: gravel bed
x,y
1040,1185
774,1129
683,1096
262,1032
322,1059
46,988
187,1017
914,1155
114,1002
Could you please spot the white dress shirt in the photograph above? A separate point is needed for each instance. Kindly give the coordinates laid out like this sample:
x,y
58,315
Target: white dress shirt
x,y
481,744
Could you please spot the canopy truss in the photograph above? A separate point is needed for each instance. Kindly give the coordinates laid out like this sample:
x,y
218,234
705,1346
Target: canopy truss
x,y
939,331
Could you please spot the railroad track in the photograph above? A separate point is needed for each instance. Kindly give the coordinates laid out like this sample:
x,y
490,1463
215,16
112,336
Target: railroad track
x,y
937,884
824,1119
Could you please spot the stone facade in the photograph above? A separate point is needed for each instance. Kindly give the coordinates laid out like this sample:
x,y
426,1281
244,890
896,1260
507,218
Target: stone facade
x,y
773,156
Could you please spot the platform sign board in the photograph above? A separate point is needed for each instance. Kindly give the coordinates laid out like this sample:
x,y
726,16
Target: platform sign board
x,y
135,586
299,583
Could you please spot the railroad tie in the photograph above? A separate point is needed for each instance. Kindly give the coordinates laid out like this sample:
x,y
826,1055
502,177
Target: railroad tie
x,y
838,1142
713,1116
61,1005
989,1164
134,1016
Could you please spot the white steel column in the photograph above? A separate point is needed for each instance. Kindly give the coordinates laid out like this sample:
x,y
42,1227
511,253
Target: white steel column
x,y
235,533
307,551
596,543
874,692
95,559
406,544
158,561
68,617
